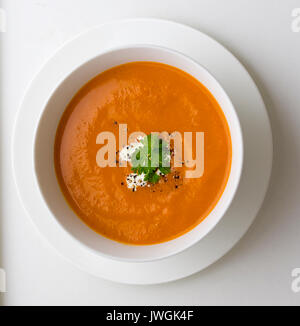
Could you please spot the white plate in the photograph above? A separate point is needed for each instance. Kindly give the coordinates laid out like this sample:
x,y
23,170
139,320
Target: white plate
x,y
250,109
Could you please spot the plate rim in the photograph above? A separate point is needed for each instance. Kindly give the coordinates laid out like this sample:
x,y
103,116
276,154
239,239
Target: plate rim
x,y
44,68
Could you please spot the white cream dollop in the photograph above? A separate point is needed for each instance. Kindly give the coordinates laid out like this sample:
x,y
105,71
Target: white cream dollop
x,y
127,151
133,180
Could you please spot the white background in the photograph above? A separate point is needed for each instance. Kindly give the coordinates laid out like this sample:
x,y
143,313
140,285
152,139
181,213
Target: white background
x,y
258,269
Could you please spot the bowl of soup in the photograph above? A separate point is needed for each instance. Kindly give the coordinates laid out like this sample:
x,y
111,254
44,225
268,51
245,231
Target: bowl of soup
x,y
138,153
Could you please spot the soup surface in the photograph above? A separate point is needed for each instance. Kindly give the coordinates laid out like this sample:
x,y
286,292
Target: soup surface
x,y
148,97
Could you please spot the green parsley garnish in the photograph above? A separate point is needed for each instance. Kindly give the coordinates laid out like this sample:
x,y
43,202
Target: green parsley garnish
x,y
152,159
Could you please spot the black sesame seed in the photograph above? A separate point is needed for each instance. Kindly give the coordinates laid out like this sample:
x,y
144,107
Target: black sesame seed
x,y
176,186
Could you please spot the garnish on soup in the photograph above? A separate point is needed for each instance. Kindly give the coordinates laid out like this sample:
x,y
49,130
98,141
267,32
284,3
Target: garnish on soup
x,y
149,158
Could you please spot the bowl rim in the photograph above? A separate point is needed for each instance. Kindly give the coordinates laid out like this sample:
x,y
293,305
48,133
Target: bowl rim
x,y
235,185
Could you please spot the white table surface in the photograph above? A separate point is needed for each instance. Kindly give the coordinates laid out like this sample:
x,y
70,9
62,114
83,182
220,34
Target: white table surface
x,y
258,269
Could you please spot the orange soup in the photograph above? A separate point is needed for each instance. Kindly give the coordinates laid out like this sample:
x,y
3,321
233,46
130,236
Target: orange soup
x,y
148,97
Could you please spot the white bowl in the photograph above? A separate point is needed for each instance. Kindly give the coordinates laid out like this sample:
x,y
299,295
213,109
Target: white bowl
x,y
44,150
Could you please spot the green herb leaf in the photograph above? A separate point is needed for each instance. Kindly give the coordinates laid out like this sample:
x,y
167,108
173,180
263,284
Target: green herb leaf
x,y
152,159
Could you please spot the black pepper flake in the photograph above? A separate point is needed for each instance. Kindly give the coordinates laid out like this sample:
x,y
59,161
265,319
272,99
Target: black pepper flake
x,y
176,187
122,183
115,122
